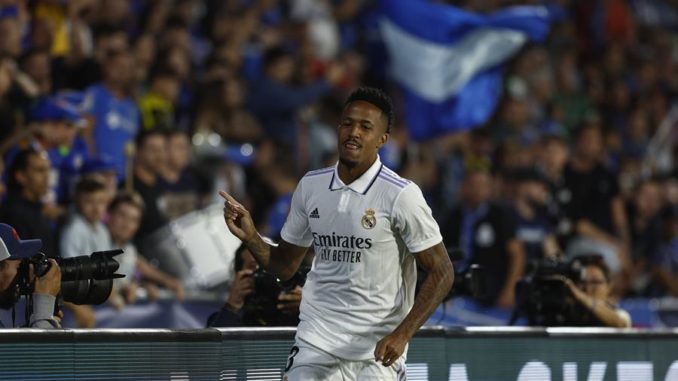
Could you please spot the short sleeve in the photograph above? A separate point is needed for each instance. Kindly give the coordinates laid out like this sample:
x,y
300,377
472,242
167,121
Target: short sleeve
x,y
296,229
414,221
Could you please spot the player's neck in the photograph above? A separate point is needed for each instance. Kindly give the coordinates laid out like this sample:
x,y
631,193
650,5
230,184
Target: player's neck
x,y
348,172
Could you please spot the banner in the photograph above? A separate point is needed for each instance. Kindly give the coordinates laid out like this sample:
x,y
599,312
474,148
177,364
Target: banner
x,y
449,61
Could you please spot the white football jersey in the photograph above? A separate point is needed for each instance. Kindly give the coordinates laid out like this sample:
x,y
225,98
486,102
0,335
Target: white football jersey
x,y
361,285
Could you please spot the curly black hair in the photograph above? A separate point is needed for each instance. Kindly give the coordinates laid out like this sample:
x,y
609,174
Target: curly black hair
x,y
378,98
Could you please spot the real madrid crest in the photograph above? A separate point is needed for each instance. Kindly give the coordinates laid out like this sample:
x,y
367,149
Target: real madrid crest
x,y
369,220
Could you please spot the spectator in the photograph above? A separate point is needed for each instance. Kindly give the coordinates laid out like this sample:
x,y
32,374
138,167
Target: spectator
x,y
7,108
185,190
28,183
125,212
85,232
243,306
36,64
80,69
646,235
486,232
552,156
276,101
18,91
157,105
534,228
150,161
58,124
223,112
595,206
665,263
592,292
102,169
116,117
11,27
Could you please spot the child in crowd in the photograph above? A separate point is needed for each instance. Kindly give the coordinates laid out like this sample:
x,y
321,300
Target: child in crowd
x,y
85,232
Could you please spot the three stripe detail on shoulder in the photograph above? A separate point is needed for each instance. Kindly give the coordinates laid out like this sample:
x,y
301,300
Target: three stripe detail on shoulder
x,y
391,177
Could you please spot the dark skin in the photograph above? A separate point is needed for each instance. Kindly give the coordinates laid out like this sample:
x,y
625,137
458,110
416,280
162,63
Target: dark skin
x,y
361,132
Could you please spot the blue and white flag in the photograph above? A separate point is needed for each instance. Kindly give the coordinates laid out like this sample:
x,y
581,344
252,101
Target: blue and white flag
x,y
449,61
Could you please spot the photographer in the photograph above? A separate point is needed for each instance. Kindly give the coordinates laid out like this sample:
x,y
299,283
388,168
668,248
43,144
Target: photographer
x,y
247,306
45,288
592,292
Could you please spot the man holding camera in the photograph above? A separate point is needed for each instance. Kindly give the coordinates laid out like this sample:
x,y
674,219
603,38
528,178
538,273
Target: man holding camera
x,y
252,303
45,288
592,293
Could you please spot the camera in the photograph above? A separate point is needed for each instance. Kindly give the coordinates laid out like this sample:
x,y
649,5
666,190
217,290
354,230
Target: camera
x,y
469,281
260,307
545,300
84,279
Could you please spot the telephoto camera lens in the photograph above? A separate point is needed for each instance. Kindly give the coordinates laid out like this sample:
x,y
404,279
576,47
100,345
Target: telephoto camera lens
x,y
84,279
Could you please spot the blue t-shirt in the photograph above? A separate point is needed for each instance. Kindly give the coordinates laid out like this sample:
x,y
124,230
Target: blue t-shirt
x,y
116,122
66,163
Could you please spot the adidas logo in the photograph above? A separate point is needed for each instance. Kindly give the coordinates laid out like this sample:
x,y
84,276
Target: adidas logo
x,y
314,213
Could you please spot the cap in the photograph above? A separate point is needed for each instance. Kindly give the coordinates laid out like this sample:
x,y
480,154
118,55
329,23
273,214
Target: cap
x,y
98,164
72,97
56,109
4,253
16,248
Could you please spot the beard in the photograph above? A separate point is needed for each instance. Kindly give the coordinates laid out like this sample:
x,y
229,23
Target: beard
x,y
348,163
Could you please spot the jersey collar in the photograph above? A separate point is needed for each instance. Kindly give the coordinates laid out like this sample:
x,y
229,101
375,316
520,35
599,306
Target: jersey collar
x,y
362,184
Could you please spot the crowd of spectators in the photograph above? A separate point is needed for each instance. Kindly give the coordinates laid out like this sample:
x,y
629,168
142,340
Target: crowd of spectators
x,y
118,116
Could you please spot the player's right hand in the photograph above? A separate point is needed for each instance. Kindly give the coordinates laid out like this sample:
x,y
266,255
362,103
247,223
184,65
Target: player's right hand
x,y
238,218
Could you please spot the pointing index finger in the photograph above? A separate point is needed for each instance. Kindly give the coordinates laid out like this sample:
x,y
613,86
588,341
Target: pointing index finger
x,y
230,200
227,197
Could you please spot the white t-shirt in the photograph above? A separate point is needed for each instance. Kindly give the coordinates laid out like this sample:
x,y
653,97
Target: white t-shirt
x,y
80,237
361,285
128,265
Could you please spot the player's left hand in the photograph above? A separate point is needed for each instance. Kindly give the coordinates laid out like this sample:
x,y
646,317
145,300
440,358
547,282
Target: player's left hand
x,y
390,348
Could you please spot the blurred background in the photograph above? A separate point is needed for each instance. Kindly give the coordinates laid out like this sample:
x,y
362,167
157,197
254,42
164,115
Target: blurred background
x,y
536,133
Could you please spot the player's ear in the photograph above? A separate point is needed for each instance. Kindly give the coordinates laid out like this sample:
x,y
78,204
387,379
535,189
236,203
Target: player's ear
x,y
383,139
